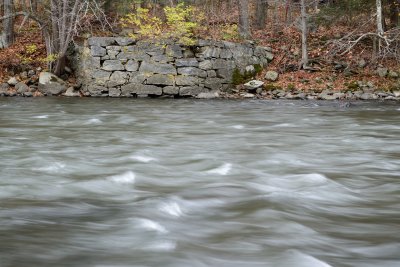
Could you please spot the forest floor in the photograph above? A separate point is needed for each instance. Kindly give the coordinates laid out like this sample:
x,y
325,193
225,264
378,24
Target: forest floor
x,y
334,73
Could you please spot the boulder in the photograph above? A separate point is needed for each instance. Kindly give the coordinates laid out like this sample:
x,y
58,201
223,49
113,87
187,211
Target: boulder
x,y
271,76
71,92
4,88
50,84
12,81
253,85
114,92
21,88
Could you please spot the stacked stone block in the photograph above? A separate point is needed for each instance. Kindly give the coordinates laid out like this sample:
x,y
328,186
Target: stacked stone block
x,y
123,67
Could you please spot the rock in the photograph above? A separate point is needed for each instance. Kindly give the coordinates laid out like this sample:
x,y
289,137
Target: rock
x,y
112,65
253,85
250,69
393,74
211,73
95,90
382,72
368,96
21,88
339,95
3,89
214,83
187,80
226,54
23,75
98,51
101,41
271,76
209,95
50,84
125,41
192,71
223,64
114,92
192,91
28,94
362,63
174,51
12,81
248,95
71,92
157,68
31,73
171,90
187,62
140,89
225,74
132,65
206,65
118,78
396,93
161,79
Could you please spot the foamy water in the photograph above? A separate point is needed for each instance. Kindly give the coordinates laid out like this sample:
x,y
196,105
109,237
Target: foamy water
x,y
177,183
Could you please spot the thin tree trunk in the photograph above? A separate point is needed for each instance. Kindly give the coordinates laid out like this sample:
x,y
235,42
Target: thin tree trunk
x,y
7,37
261,14
244,26
379,23
304,32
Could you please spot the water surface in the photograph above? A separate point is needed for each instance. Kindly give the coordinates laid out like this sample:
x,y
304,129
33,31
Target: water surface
x,y
132,182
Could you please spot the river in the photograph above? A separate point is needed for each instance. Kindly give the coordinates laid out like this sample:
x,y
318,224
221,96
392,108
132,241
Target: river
x,y
142,182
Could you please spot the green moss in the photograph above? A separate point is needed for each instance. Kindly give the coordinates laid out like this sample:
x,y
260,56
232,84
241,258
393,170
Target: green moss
x,y
291,86
258,68
237,77
352,86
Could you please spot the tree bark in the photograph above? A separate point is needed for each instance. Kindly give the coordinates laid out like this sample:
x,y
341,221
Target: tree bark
x,y
261,14
7,37
244,26
379,23
304,32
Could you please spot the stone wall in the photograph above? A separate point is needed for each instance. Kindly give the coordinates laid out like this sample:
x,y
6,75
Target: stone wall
x,y
123,67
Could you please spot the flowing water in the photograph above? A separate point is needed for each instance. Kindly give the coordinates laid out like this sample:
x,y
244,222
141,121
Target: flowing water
x,y
135,182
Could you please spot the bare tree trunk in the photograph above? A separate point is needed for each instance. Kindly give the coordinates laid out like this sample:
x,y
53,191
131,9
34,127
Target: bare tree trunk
x,y
379,23
7,37
244,26
261,13
304,32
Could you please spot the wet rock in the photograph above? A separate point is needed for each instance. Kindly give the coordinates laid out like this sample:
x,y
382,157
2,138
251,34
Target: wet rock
x,y
12,81
253,85
50,84
271,76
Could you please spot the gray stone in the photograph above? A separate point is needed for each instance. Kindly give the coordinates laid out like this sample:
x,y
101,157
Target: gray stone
x,y
223,64
382,72
339,95
21,88
113,54
396,93
206,65
23,75
113,65
271,76
214,83
253,85
140,89
362,63
187,62
98,51
187,53
211,73
12,81
161,79
114,92
162,59
71,92
208,95
208,52
113,48
393,74
28,94
138,78
226,54
187,80
106,57
368,96
93,63
132,65
4,88
192,71
132,52
101,77
159,68
192,91
117,78
50,84
174,51
225,74
101,41
248,95
125,41
31,73
171,90
95,90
